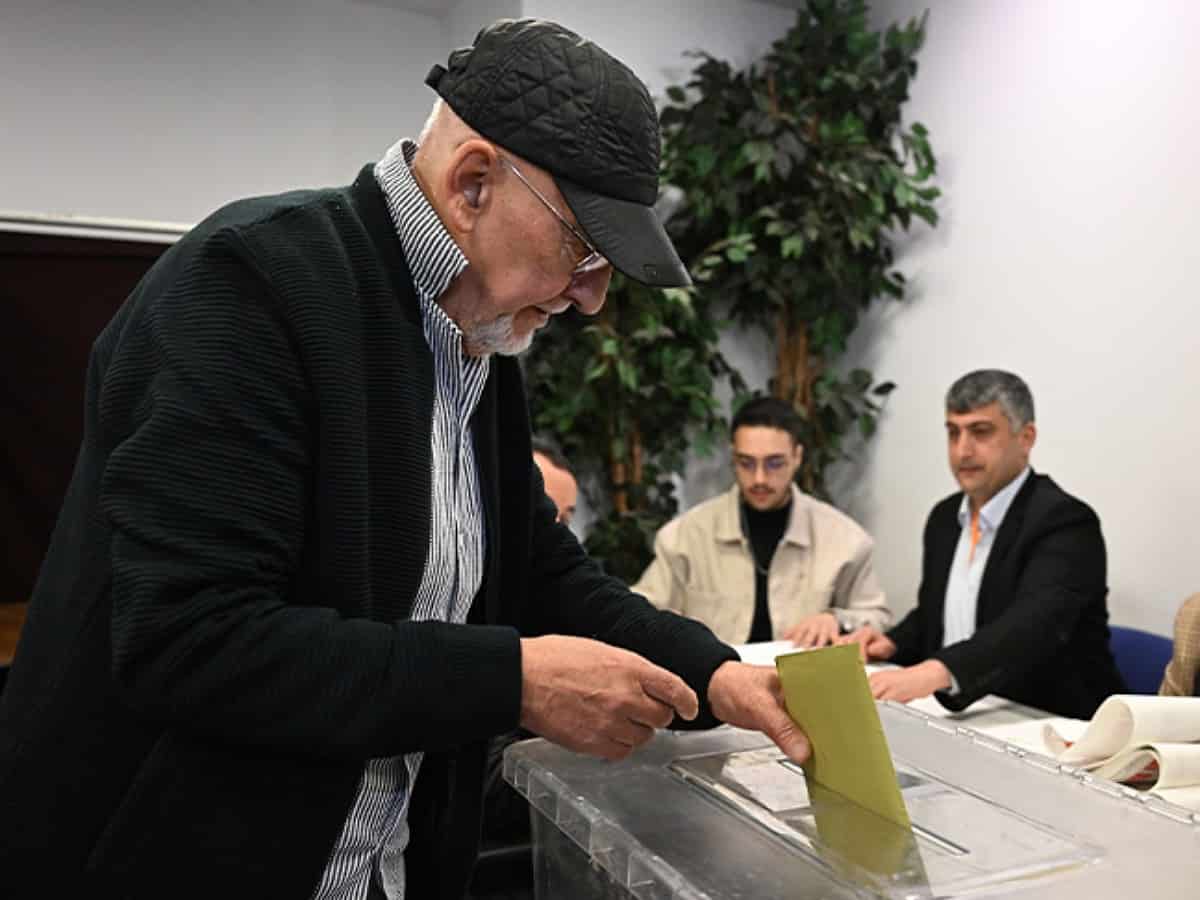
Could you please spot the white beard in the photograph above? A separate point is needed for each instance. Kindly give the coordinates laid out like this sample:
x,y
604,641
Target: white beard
x,y
495,336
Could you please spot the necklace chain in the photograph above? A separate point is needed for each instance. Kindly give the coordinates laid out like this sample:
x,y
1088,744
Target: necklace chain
x,y
760,569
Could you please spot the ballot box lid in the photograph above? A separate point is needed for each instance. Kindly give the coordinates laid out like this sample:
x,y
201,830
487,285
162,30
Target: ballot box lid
x,y
722,814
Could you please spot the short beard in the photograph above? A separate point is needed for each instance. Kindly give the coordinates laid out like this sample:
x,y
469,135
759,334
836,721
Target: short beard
x,y
495,336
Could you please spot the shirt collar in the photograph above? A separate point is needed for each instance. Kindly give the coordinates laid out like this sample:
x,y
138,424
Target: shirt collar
x,y
433,257
994,511
729,521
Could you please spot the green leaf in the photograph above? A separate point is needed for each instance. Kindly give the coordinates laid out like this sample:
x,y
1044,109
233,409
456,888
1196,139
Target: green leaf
x,y
627,374
704,158
791,247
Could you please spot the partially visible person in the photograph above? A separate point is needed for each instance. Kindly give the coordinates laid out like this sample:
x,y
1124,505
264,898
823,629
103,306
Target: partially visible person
x,y
1182,677
1013,579
764,560
557,478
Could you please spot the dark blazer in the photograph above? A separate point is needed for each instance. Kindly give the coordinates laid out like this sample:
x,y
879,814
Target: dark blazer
x,y
1041,622
219,637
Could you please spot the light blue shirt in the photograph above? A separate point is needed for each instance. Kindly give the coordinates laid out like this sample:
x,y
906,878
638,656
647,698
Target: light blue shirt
x,y
966,571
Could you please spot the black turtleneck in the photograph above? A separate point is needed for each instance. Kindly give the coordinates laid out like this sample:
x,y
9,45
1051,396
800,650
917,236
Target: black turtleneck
x,y
764,530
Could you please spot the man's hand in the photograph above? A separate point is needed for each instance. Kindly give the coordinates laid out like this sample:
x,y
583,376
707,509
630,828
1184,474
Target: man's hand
x,y
818,630
872,643
752,697
911,683
597,699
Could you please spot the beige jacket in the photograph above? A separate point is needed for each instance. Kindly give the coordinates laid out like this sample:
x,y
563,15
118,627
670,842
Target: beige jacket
x,y
1179,680
703,568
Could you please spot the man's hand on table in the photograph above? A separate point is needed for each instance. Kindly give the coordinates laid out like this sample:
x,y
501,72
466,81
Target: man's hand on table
x,y
874,645
819,630
912,682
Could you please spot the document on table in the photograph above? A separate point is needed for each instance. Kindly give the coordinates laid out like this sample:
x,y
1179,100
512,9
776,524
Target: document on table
x,y
827,694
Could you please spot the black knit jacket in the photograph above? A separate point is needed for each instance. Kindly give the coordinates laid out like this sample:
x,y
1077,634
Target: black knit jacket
x,y
219,636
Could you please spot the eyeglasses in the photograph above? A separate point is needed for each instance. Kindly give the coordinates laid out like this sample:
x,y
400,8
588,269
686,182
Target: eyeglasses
x,y
770,464
592,259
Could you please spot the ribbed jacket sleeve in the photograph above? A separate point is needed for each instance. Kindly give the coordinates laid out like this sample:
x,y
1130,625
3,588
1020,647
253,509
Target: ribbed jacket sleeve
x,y
209,489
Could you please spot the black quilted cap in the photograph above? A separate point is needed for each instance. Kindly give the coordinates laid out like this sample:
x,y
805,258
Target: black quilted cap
x,y
564,104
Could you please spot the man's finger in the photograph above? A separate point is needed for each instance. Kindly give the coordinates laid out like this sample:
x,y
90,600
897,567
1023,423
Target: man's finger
x,y
653,713
789,738
878,687
631,734
671,690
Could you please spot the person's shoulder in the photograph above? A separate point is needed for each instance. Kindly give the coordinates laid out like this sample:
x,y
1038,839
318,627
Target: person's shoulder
x,y
291,219
1048,499
704,513
249,213
261,227
946,509
828,519
699,519
1187,619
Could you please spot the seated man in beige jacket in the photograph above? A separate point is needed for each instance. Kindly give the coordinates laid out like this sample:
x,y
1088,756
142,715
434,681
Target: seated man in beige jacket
x,y
765,561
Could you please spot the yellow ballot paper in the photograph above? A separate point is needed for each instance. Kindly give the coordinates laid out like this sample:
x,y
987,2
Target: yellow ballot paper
x,y
826,693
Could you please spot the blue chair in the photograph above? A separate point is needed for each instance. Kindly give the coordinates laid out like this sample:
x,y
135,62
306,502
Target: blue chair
x,y
1141,657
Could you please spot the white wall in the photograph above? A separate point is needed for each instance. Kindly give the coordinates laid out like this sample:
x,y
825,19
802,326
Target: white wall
x,y
651,37
164,111
464,18
1066,133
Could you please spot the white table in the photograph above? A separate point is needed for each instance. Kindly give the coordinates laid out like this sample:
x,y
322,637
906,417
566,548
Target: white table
x,y
1003,719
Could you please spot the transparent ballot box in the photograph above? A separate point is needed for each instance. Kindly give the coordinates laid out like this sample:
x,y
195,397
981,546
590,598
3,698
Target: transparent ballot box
x,y
722,814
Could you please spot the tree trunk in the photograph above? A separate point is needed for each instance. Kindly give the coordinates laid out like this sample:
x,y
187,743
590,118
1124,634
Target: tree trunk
x,y
635,455
617,471
620,497
795,372
626,472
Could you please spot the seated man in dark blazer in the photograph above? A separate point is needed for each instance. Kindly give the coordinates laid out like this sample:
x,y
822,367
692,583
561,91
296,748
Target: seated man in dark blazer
x,y
1012,595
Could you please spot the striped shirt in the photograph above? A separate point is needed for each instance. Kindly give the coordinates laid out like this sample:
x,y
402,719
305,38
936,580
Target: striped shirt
x,y
375,834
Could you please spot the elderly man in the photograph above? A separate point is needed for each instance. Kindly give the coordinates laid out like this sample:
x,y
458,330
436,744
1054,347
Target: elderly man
x,y
764,560
304,570
1012,596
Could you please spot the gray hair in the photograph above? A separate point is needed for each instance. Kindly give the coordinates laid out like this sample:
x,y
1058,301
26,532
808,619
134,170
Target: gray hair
x,y
430,120
984,386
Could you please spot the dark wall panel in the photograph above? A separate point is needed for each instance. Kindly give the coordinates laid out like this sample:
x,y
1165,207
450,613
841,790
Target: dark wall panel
x,y
56,295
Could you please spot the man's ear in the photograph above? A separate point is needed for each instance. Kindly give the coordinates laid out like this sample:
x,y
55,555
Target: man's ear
x,y
1028,436
468,184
